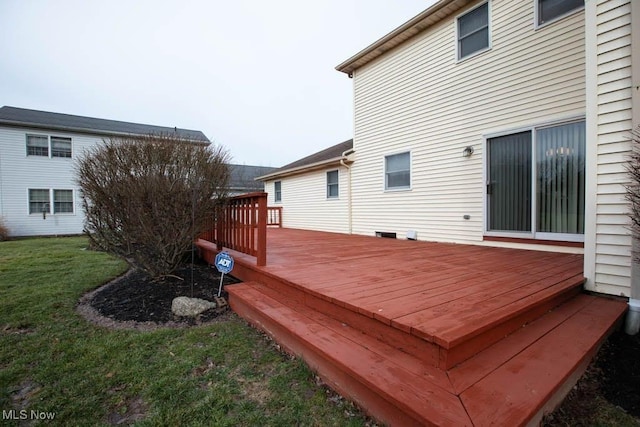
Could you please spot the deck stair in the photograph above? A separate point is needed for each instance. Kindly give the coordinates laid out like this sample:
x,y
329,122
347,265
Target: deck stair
x,y
477,358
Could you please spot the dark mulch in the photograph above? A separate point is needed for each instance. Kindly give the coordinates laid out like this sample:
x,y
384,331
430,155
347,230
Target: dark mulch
x,y
612,379
139,298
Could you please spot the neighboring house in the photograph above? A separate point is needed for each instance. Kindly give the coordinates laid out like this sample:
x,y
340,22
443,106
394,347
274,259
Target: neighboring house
x,y
496,122
243,178
38,150
314,191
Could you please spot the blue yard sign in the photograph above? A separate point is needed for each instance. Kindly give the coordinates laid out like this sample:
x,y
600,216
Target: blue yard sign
x,y
224,264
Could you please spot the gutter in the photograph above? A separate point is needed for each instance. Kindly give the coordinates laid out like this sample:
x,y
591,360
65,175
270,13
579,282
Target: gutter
x,y
407,30
301,169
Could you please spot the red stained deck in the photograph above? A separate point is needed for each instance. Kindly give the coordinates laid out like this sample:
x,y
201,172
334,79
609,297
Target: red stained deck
x,y
427,333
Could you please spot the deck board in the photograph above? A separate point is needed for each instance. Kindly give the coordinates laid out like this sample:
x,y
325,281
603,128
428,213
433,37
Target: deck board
x,y
432,288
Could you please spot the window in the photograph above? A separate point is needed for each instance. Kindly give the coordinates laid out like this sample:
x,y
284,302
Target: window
x,y
473,31
550,10
62,201
37,145
277,191
60,147
536,182
397,171
333,189
39,201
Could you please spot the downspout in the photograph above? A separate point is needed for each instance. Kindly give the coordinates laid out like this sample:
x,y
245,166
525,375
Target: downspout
x,y
349,199
632,323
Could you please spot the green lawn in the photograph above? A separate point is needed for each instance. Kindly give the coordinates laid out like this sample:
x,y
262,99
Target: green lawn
x,y
52,360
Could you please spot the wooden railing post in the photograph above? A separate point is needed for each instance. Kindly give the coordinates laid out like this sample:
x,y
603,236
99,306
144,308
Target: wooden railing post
x,y
262,230
219,227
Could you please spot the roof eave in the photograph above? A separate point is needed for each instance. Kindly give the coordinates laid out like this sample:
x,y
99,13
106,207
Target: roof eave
x,y
415,25
80,130
336,161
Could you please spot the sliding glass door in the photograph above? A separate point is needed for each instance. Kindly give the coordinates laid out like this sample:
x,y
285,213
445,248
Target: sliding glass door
x,y
545,161
509,186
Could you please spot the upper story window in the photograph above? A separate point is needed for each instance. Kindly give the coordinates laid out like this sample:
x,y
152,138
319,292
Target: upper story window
x,y
397,171
60,147
42,145
277,191
550,10
333,189
473,31
37,145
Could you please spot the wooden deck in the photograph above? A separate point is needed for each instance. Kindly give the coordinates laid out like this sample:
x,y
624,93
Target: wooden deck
x,y
427,333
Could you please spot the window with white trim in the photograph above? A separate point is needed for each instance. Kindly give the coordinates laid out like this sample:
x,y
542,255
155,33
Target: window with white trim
x,y
333,189
43,145
60,147
40,201
62,201
38,145
473,31
277,191
397,171
550,10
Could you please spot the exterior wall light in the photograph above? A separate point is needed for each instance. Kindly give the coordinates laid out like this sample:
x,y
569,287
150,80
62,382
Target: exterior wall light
x,y
467,152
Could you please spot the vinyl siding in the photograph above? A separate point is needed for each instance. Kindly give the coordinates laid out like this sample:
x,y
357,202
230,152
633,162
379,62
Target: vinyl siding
x,y
611,123
305,204
19,173
418,98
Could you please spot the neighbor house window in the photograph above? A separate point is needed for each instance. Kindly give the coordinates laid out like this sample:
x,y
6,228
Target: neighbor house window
x,y
39,201
60,147
473,31
333,189
550,10
62,201
277,191
37,145
397,171
536,182
42,145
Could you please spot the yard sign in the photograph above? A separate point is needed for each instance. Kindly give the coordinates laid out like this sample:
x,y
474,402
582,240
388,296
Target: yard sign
x,y
224,264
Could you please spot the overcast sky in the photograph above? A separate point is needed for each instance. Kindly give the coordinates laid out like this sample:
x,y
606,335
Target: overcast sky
x,y
257,77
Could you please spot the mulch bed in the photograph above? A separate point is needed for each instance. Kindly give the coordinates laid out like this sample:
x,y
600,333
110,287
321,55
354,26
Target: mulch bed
x,y
137,301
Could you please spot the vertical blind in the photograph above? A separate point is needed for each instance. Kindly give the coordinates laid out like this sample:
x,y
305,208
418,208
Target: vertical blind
x,y
559,180
509,186
560,155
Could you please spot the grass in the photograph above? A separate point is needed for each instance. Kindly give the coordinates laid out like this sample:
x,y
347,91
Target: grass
x,y
52,360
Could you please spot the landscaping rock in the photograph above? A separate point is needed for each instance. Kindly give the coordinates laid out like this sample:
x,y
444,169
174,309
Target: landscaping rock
x,y
190,307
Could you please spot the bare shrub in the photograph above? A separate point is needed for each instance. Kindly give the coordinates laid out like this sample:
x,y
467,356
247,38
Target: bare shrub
x,y
4,231
633,188
145,198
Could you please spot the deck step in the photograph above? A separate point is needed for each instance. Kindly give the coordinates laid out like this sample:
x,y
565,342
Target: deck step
x,y
396,390
512,382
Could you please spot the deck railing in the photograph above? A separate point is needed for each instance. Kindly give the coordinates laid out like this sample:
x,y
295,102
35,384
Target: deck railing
x,y
274,216
241,225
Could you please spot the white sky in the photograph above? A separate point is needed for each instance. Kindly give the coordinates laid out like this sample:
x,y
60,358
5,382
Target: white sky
x,y
257,77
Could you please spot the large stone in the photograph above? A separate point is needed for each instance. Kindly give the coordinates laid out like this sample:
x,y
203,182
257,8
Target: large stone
x,y
190,307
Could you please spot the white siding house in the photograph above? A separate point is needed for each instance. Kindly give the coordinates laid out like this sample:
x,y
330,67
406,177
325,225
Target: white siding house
x,y
38,150
314,191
